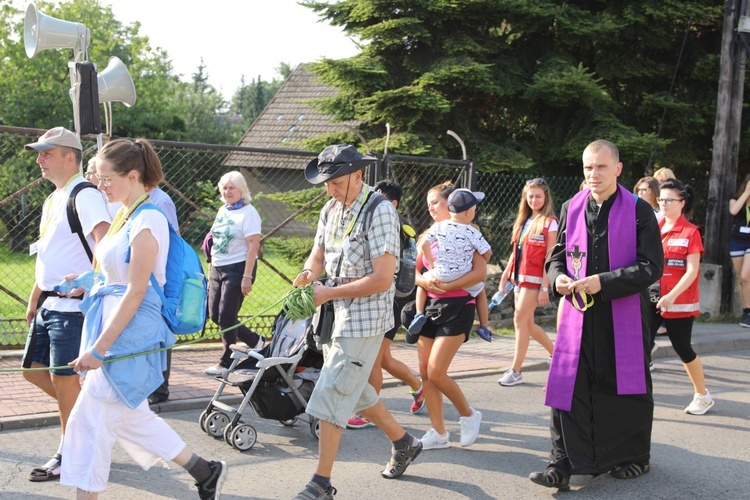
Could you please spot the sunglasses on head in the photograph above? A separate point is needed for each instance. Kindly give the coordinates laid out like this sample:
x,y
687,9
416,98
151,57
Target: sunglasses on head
x,y
538,181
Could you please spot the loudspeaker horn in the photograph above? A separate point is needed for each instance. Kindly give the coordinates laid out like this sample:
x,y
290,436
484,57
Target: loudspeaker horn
x,y
42,32
115,83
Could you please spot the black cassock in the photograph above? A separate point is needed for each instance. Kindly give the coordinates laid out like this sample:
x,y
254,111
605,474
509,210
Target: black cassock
x,y
603,429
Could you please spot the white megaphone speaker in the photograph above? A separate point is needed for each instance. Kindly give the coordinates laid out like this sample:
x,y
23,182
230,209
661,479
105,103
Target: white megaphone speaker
x,y
115,83
42,32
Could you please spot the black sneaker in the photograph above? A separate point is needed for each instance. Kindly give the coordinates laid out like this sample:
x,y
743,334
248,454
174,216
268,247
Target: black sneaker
x,y
401,459
551,478
745,321
210,489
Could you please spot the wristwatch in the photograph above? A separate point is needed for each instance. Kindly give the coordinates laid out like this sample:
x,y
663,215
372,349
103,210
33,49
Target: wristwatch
x,y
544,289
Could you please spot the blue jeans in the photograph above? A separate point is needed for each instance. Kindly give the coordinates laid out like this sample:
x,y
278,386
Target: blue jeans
x,y
58,339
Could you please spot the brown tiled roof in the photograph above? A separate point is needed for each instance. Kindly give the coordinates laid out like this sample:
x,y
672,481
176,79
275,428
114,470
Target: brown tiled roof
x,y
286,120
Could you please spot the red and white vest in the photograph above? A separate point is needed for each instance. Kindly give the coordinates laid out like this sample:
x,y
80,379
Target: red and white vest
x,y
682,240
533,255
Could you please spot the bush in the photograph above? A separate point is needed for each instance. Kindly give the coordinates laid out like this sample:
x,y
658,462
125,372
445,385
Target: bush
x,y
295,250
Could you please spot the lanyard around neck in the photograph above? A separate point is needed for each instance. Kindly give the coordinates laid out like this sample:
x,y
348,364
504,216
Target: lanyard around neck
x,y
49,210
124,214
353,222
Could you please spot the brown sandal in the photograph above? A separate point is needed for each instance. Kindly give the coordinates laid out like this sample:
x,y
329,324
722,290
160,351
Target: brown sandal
x,y
49,471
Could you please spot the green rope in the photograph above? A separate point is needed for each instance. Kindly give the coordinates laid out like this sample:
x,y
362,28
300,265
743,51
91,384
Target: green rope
x,y
297,304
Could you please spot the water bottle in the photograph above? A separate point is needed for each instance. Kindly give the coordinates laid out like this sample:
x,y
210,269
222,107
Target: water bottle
x,y
191,306
500,295
86,280
406,273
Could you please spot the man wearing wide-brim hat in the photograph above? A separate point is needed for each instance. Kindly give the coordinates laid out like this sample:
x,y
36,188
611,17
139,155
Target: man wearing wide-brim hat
x,y
360,267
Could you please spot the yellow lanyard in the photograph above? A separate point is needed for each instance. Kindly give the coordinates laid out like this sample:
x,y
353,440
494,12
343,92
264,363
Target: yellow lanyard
x,y
586,301
49,211
353,222
121,218
124,214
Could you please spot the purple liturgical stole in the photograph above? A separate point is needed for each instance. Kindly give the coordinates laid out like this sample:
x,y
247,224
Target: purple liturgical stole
x,y
626,312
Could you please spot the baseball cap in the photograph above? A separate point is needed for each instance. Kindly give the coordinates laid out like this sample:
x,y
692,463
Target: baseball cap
x,y
55,137
460,200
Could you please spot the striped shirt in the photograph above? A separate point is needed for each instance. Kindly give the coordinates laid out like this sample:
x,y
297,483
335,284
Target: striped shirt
x,y
373,314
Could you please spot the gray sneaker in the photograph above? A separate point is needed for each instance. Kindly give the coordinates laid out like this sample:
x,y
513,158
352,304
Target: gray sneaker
x,y
401,459
314,491
511,377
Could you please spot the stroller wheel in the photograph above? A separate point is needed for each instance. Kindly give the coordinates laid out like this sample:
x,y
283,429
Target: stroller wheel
x,y
243,437
315,428
289,423
228,434
202,420
215,423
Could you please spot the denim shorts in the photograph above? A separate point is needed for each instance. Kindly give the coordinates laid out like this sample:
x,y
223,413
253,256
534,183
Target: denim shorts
x,y
58,339
343,386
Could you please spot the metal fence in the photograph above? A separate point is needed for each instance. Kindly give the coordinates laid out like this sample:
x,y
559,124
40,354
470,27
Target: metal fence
x,y
288,206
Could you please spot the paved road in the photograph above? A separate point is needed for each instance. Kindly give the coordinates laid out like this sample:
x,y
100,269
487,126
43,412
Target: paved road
x,y
692,456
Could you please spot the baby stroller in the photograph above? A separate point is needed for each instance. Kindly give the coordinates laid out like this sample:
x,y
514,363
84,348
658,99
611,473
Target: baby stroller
x,y
276,381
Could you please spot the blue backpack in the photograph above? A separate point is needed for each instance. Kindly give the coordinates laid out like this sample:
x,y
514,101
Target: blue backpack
x,y
183,301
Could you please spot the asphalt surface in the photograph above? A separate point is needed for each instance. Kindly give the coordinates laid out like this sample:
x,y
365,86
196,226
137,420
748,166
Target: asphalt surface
x,y
692,456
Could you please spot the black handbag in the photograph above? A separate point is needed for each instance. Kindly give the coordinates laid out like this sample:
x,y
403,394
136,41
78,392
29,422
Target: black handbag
x,y
442,311
323,325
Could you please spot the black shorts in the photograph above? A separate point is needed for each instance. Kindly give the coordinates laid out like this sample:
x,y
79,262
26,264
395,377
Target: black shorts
x,y
461,325
398,305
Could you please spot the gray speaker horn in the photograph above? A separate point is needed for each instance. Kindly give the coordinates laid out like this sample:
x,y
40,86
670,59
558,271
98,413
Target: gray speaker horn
x,y
115,83
42,32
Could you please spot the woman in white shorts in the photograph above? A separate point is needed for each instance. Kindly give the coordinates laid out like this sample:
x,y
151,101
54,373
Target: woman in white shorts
x,y
123,316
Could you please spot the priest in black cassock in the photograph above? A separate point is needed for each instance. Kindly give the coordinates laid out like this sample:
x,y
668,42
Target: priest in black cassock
x,y
608,252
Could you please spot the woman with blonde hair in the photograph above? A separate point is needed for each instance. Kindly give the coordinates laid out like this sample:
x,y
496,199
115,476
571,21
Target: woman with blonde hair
x,y
534,234
663,173
123,317
236,241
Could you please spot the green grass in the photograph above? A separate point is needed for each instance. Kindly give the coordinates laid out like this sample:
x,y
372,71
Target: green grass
x,y
17,270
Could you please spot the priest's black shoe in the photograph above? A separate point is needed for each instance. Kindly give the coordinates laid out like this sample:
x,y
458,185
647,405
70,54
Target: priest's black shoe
x,y
551,478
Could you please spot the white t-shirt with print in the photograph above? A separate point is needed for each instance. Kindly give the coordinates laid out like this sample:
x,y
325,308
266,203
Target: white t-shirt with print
x,y
229,231
456,243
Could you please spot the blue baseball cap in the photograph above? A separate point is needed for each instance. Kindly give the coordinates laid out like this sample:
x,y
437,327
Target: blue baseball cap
x,y
460,200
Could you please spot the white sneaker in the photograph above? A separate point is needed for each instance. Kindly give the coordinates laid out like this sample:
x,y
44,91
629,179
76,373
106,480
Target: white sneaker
x,y
511,377
216,371
434,441
701,404
470,427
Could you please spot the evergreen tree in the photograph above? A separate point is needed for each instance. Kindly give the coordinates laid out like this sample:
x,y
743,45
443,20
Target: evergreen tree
x,y
528,83
250,99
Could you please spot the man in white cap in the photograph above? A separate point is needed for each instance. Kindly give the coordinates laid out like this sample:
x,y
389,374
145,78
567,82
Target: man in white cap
x,y
56,321
360,265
